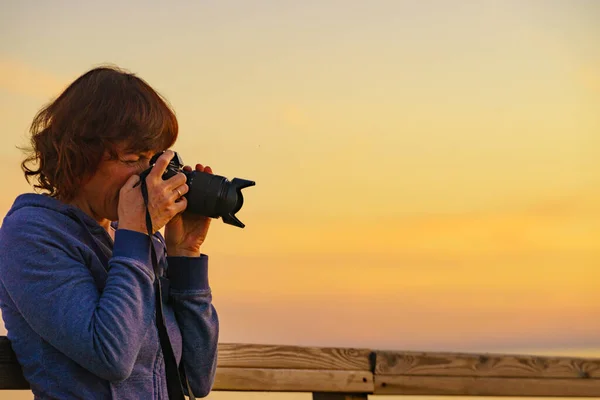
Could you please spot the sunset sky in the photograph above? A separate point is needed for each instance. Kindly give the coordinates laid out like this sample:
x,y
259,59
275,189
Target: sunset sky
x,y
427,172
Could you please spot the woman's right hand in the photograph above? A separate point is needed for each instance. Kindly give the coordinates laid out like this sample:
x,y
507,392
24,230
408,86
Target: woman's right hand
x,y
164,199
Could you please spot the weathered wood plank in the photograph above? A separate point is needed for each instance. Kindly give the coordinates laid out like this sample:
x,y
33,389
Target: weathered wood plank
x,y
7,355
484,365
344,373
11,377
339,396
267,356
293,380
475,386
292,357
11,373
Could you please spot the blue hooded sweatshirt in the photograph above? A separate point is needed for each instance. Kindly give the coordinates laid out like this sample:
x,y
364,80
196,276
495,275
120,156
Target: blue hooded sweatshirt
x,y
80,309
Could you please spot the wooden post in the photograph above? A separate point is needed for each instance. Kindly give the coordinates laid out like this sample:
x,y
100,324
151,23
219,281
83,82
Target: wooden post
x,y
338,396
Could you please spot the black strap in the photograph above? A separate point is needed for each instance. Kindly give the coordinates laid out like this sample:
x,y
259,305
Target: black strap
x,y
174,387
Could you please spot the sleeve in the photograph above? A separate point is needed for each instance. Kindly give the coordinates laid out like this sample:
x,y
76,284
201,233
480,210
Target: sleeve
x,y
53,290
197,319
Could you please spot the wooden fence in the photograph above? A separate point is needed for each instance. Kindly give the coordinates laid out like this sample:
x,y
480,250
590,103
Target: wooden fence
x,y
353,374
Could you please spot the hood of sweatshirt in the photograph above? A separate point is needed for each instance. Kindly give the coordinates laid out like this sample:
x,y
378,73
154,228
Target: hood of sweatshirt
x,y
46,202
76,224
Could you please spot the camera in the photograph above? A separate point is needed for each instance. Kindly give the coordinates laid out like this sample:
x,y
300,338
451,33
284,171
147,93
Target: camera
x,y
210,195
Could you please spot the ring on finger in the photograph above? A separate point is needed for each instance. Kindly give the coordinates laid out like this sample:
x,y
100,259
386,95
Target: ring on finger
x,y
178,192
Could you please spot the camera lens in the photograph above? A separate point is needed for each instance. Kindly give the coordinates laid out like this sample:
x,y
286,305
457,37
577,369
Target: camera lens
x,y
209,195
215,196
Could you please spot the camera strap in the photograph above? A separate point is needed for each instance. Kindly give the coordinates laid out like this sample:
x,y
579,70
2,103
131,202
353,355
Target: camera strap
x,y
173,373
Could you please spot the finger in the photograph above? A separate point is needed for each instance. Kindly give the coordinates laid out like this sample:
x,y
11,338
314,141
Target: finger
x,y
180,206
132,182
208,170
175,181
161,165
187,168
179,192
199,167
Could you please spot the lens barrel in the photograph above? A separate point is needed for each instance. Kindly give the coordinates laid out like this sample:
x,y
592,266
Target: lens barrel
x,y
210,195
215,196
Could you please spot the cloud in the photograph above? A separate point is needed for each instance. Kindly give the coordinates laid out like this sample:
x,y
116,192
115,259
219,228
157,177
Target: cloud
x,y
20,78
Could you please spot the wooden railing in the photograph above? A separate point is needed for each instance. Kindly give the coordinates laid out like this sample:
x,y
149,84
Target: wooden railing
x,y
349,373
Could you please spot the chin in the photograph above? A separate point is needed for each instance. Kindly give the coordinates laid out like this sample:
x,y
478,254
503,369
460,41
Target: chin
x,y
113,209
113,215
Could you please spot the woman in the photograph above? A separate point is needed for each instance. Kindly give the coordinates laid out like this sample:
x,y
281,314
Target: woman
x,y
77,280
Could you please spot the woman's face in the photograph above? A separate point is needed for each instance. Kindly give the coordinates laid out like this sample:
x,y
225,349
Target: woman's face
x,y
101,191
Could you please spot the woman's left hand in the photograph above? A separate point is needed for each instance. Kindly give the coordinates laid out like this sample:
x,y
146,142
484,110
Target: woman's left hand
x,y
186,232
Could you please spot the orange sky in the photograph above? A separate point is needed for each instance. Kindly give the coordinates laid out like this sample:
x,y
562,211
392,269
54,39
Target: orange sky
x,y
427,174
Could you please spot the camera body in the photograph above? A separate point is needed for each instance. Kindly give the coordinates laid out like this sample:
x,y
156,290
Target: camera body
x,y
210,195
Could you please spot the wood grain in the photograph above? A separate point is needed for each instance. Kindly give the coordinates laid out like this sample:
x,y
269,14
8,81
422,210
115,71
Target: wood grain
x,y
339,396
292,357
485,365
11,377
293,380
7,355
11,373
475,386
346,373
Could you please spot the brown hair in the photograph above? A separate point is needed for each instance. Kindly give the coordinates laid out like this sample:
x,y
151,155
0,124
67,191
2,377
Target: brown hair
x,y
101,109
